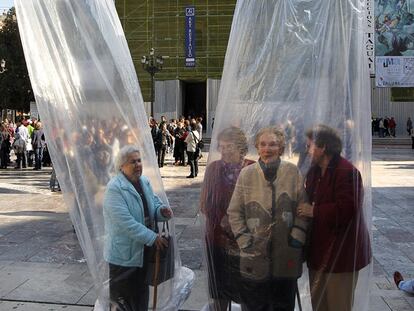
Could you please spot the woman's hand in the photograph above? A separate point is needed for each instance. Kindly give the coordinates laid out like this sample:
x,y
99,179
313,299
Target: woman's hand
x,y
166,212
160,242
306,210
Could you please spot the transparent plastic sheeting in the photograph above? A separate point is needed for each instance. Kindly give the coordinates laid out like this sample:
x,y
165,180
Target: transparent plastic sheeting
x,y
292,65
88,96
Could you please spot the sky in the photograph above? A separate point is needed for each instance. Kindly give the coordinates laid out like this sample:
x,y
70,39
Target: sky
x,y
6,4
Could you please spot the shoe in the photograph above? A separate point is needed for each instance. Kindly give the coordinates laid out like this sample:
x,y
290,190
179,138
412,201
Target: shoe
x,y
190,176
398,278
17,168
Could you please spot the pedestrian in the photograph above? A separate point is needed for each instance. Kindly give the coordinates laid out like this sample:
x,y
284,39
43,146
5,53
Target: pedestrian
x,y
381,127
29,147
221,246
162,142
38,143
263,219
339,244
192,139
154,134
179,144
406,286
129,208
387,126
409,126
4,146
392,125
412,138
199,121
21,138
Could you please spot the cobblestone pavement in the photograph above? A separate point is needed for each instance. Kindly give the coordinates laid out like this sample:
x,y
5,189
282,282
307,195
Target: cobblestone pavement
x,y
42,266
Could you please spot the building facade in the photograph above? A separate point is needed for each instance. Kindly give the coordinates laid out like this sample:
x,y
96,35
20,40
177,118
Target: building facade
x,y
161,24
193,91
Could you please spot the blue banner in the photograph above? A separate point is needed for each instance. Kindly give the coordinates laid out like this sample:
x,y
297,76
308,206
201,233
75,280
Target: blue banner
x,y
190,38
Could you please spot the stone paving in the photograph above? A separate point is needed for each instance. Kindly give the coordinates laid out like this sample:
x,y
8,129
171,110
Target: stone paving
x,y
42,266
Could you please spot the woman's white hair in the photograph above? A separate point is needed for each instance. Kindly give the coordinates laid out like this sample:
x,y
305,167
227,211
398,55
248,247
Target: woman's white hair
x,y
123,155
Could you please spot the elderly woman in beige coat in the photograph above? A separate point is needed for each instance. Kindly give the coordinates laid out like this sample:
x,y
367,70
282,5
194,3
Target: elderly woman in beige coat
x,y
270,235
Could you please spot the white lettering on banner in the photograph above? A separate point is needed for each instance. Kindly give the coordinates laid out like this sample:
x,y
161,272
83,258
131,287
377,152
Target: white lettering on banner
x,y
369,36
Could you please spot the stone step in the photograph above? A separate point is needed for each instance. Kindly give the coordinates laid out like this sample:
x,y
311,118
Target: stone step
x,y
391,140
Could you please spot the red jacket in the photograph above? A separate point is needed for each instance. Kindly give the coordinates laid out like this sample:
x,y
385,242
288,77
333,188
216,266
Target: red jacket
x,y
339,239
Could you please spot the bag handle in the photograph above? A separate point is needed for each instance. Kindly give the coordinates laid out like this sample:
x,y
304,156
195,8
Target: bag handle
x,y
165,227
195,138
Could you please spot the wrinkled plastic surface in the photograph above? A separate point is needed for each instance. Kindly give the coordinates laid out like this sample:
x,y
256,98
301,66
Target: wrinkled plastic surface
x,y
88,96
291,64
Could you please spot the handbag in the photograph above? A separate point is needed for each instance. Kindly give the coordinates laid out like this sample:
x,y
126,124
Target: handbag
x,y
165,271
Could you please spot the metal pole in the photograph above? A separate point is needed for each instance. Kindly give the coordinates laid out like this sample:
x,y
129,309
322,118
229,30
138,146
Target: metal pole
x,y
152,94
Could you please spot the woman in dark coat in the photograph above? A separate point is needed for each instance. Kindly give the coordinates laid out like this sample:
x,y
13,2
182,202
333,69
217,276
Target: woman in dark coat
x,y
4,146
38,143
222,250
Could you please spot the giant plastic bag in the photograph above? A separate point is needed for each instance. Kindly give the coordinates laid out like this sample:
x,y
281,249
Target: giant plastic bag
x,y
295,84
88,96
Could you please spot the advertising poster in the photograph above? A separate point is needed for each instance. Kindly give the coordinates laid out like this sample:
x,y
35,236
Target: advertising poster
x,y
394,43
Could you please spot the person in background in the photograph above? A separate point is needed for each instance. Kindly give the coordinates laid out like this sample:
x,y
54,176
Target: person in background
x,y
129,208
154,134
412,138
192,138
339,244
4,146
29,148
38,143
409,126
20,144
392,125
199,124
179,144
222,250
162,143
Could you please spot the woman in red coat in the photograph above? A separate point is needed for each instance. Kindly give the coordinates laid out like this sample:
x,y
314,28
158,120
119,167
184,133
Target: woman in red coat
x,y
222,250
339,241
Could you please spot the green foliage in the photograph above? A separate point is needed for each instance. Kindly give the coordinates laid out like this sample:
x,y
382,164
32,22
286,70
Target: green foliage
x,y
15,88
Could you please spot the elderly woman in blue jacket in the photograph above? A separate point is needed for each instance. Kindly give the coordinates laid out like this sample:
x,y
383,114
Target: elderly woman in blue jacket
x,y
130,206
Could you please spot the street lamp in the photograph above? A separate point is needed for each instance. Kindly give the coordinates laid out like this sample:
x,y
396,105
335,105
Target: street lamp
x,y
152,64
2,66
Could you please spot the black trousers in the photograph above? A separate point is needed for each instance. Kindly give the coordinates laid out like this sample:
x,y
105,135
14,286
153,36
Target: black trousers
x,y
193,161
4,156
161,155
127,290
21,160
273,295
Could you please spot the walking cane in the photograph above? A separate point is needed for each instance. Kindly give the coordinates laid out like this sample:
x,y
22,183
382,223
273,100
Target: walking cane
x,y
155,280
298,296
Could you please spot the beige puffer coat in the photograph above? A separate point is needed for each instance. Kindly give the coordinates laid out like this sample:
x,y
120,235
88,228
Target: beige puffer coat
x,y
263,235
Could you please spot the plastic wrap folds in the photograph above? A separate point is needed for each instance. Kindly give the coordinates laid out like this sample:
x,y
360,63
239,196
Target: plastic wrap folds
x,y
91,106
286,197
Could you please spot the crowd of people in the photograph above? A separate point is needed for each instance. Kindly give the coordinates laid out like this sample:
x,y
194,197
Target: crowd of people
x,y
26,140
181,137
384,127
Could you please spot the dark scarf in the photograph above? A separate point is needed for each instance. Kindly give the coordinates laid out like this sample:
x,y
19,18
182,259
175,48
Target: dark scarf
x,y
270,169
